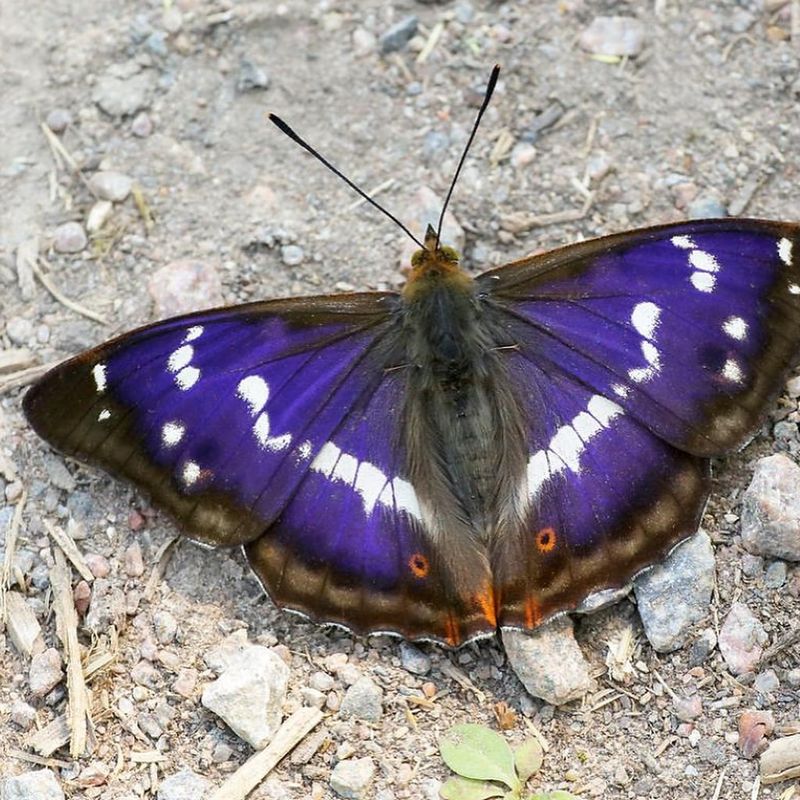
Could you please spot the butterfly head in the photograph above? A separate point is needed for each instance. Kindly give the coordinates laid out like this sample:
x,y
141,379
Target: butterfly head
x,y
433,264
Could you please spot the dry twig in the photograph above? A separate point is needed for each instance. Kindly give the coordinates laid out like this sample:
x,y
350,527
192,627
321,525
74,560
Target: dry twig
x,y
63,299
70,549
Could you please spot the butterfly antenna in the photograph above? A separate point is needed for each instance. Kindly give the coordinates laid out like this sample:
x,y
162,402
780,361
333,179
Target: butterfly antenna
x,y
277,121
486,98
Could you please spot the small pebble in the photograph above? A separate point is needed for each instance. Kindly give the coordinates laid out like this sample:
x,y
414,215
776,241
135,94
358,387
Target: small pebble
x,y
58,120
186,682
399,35
251,77
292,255
321,681
45,672
706,207
363,700
688,708
702,647
741,639
183,286
110,185
172,19
98,215
351,779
145,674
183,785
19,330
133,561
39,784
775,575
522,154
165,626
363,41
767,682
793,677
414,660
69,238
793,387
120,94
22,714
613,36
221,753
313,697
142,125
98,565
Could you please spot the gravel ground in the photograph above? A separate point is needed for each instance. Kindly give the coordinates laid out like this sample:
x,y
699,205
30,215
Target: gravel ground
x,y
701,117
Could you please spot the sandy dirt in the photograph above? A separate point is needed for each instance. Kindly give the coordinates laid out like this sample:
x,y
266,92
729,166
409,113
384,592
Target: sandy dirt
x,y
707,114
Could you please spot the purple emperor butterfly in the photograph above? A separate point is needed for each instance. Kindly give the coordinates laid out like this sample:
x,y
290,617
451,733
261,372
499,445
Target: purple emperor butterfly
x,y
467,454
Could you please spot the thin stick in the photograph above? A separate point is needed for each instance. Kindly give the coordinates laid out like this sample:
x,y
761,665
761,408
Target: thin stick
x,y
486,98
67,544
163,556
257,767
67,630
376,190
432,41
65,301
10,551
59,150
284,128
718,787
42,762
24,376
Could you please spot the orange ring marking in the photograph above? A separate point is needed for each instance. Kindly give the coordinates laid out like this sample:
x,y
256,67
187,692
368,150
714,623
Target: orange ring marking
x,y
546,540
419,565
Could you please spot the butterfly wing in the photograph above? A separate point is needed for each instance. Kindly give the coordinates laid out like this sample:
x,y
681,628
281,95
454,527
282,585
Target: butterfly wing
x,y
690,327
275,426
635,356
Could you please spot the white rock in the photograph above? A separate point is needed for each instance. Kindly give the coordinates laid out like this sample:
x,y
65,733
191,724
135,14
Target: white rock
x,y
351,779
184,785
110,185
614,36
771,509
38,785
676,594
98,215
549,662
249,694
45,672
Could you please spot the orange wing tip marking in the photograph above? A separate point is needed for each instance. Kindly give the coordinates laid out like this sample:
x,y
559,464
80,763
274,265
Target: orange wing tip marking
x,y
451,634
486,600
419,565
533,613
546,540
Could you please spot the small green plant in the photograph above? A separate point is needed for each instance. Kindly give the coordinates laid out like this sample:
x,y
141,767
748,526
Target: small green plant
x,y
487,767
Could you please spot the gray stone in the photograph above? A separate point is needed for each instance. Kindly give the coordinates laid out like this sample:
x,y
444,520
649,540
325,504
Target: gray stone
x,y
399,35
292,255
771,509
706,207
121,94
363,700
613,36
414,660
251,76
313,697
219,658
321,681
184,785
69,238
767,682
676,594
351,779
142,125
702,647
422,209
249,694
107,607
58,120
19,330
111,185
183,286
22,714
58,473
45,672
41,784
165,626
741,639
549,662
775,575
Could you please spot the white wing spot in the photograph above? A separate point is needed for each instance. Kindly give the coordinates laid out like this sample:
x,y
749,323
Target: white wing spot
x,y
645,319
191,473
652,357
732,371
254,391
620,390
683,242
326,459
99,375
785,251
103,415
180,358
172,433
703,281
195,332
735,327
369,483
794,288
187,378
704,261
304,450
569,442
261,429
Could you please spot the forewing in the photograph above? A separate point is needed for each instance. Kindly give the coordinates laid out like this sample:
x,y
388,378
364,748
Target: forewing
x,y
274,426
690,328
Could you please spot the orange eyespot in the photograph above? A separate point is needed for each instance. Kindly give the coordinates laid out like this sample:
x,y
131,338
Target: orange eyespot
x,y
546,540
419,565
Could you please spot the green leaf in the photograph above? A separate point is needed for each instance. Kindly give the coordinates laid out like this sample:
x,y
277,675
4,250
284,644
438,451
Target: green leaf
x,y
466,789
477,752
528,757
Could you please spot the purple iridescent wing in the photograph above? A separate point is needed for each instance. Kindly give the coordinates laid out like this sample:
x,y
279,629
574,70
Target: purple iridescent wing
x,y
273,426
636,356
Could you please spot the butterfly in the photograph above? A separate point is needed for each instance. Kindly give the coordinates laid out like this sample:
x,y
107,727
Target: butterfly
x,y
466,454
